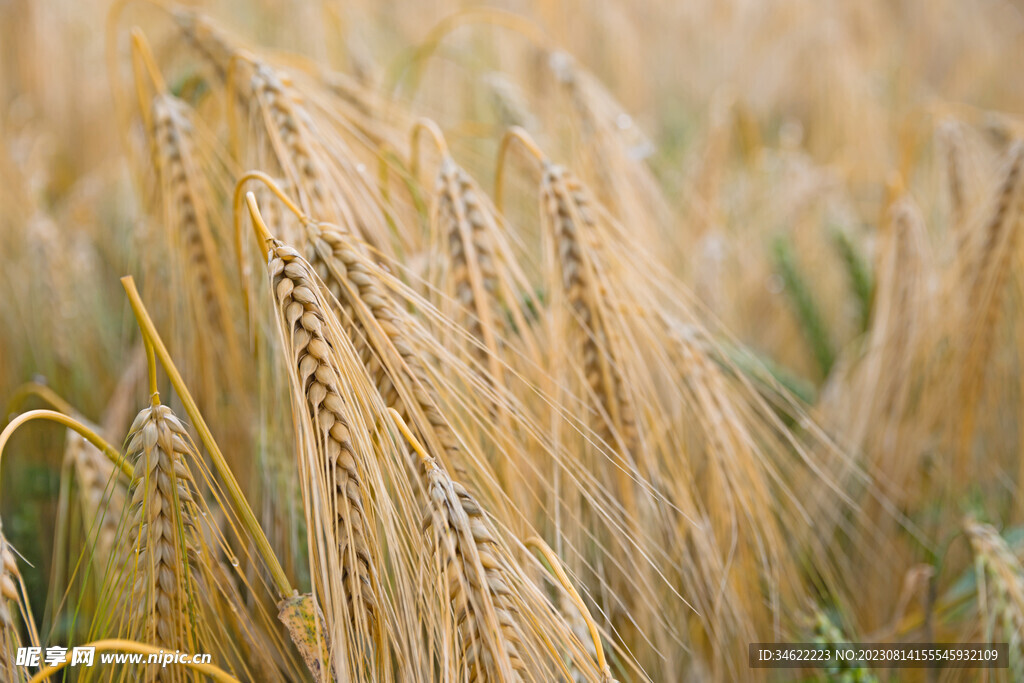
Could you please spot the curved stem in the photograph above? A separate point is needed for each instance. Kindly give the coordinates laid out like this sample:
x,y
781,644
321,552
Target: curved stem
x,y
117,644
515,133
42,391
273,187
538,544
71,423
428,125
262,231
236,204
241,505
236,212
493,17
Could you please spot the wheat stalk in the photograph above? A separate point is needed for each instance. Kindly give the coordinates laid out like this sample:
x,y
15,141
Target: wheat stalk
x,y
481,314
187,214
315,371
571,223
218,48
596,647
162,529
986,292
461,221
176,588
1000,579
388,341
317,164
610,150
480,594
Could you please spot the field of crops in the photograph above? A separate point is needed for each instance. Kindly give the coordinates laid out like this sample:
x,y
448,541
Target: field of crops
x,y
521,342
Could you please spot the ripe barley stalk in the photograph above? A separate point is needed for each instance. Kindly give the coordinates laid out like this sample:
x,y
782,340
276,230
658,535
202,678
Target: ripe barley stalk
x,y
187,195
388,340
214,45
314,369
187,211
611,149
986,294
461,220
290,139
466,226
571,226
162,532
1000,585
470,569
320,170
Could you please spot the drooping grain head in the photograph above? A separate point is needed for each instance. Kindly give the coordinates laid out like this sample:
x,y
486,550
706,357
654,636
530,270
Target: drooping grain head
x,y
209,40
575,241
986,294
319,164
1000,584
291,138
461,222
1000,231
386,337
462,545
314,368
186,211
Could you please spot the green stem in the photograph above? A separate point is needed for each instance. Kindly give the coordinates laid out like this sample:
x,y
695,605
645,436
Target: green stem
x,y
238,500
812,325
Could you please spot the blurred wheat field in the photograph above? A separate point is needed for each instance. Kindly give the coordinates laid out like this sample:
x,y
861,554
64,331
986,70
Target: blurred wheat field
x,y
555,341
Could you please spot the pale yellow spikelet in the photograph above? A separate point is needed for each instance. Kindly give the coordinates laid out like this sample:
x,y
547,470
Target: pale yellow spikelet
x,y
162,531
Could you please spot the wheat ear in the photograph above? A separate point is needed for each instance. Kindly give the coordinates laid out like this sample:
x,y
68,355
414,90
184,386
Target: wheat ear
x,y
572,224
314,370
162,529
464,548
387,339
986,293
